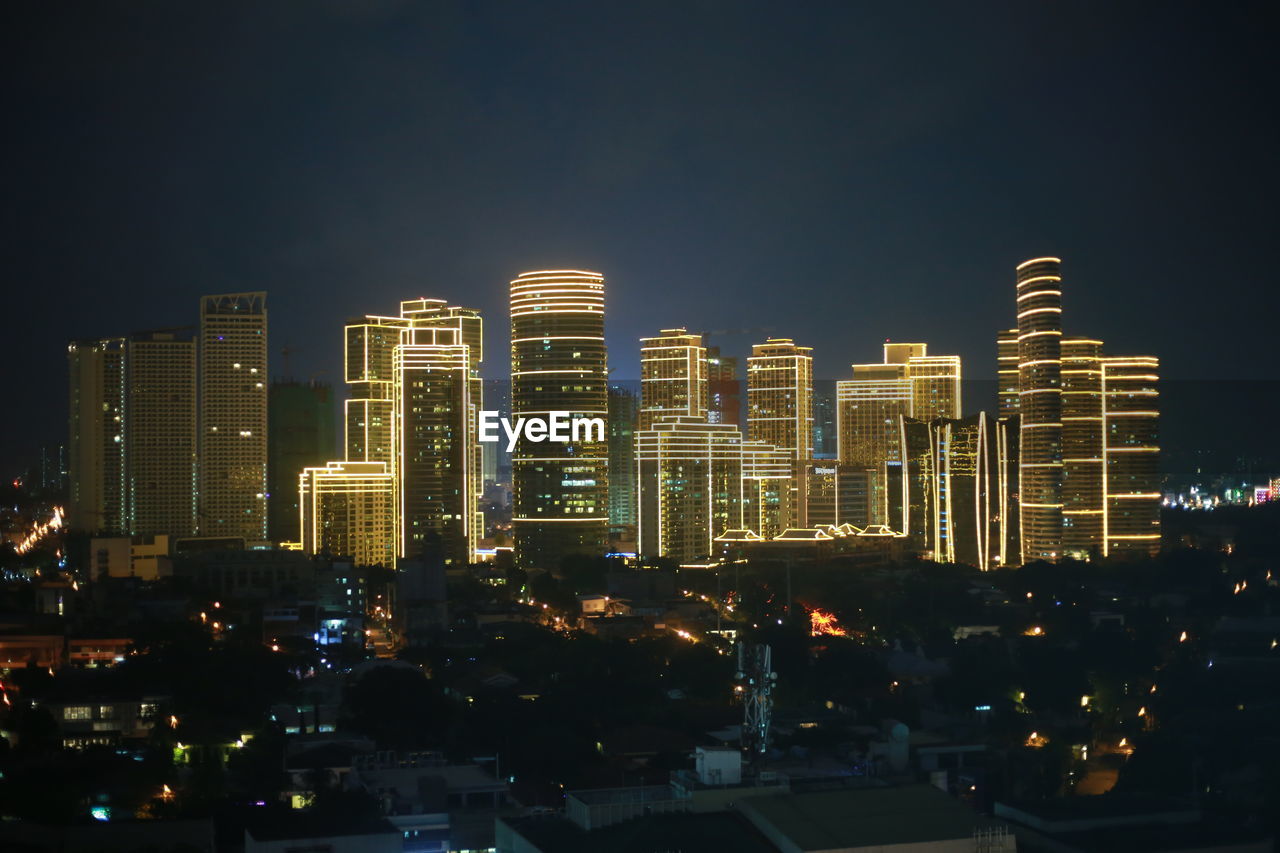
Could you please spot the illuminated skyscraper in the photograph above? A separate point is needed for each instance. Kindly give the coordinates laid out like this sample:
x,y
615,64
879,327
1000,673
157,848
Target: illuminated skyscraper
x,y
935,379
1039,291
690,485
99,492
869,408
780,410
232,416
1131,455
559,363
780,396
1007,537
673,377
160,432
769,491
437,451
416,395
1007,372
1082,508
369,354
949,489
724,388
348,509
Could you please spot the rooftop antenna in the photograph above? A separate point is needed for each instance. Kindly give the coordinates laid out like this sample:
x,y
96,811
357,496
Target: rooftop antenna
x,y
757,679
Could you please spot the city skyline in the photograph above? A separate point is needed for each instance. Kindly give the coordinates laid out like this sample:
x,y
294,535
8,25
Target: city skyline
x,y
494,427
816,157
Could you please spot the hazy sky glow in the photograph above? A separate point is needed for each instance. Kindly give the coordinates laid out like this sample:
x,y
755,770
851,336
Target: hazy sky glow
x,y
834,174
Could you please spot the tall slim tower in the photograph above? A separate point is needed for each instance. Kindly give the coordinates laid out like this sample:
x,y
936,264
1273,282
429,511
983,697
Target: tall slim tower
x,y
1039,291
232,416
1082,508
437,463
624,408
369,354
780,396
780,409
559,363
98,499
160,432
1131,454
1007,372
673,377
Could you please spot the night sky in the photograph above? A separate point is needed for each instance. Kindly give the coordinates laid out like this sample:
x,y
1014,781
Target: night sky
x,y
838,173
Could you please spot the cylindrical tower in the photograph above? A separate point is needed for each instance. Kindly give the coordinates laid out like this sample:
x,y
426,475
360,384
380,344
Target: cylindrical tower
x,y
558,363
1040,405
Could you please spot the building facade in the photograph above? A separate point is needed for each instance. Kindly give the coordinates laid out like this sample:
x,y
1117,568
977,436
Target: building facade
x,y
232,416
559,363
160,432
1131,456
1082,495
624,409
348,509
1039,301
690,478
673,377
98,499
780,411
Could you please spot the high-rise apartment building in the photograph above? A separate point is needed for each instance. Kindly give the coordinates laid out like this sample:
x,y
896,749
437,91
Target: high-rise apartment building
x,y
1088,471
437,450
414,405
1131,455
1082,500
780,410
348,509
559,363
133,434
690,485
769,492
724,388
673,377
232,416
160,433
870,407
98,499
1039,300
368,356
1007,372
935,379
780,396
624,411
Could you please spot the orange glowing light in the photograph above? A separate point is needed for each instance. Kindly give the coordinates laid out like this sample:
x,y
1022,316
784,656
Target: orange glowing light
x,y
822,623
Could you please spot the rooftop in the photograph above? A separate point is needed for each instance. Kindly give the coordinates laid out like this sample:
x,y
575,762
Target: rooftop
x,y
847,820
